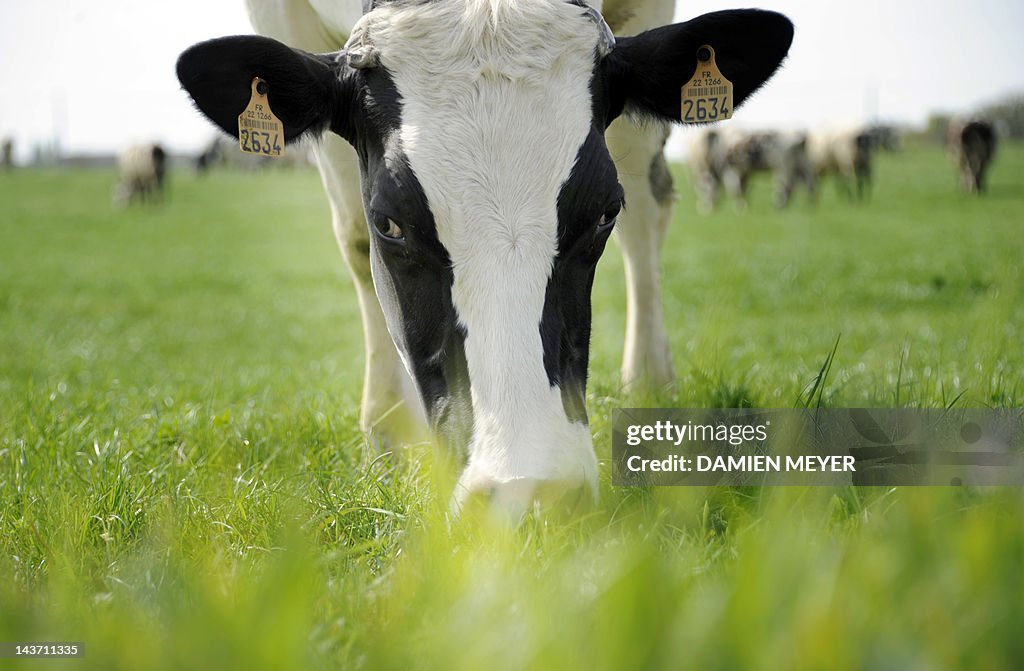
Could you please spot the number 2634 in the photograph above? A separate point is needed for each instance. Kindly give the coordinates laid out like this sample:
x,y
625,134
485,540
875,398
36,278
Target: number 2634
x,y
705,109
260,143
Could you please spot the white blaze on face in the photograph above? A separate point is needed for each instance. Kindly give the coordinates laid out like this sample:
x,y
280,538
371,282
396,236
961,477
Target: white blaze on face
x,y
495,106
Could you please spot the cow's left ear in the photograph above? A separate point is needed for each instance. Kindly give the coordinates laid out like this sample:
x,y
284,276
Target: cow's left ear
x,y
309,93
646,73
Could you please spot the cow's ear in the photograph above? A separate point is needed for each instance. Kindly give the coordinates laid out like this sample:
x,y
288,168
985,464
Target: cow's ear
x,y
310,93
646,73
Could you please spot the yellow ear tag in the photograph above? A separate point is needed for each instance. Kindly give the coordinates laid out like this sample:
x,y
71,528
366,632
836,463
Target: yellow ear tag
x,y
259,131
708,95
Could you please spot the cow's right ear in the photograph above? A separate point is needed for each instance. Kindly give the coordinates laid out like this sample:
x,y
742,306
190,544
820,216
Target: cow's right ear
x,y
646,72
310,93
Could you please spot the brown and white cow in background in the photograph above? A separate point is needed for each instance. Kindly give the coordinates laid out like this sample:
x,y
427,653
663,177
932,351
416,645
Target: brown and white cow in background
x,y
467,153
142,173
972,145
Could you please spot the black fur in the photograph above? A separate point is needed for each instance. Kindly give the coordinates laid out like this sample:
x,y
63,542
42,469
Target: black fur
x,y
308,92
646,73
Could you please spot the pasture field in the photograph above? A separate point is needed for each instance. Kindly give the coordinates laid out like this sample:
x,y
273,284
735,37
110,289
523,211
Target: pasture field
x,y
183,484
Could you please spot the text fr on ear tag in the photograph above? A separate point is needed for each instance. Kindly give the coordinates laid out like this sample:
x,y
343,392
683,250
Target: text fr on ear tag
x,y
259,130
708,95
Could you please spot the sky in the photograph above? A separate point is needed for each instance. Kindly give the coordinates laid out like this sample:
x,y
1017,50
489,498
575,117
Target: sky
x,y
99,75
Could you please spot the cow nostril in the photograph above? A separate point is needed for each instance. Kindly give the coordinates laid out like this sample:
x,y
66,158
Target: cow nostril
x,y
514,499
470,502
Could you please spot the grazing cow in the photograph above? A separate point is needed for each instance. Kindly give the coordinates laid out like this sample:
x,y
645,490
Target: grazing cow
x,y
790,163
845,153
142,172
972,144
477,149
727,159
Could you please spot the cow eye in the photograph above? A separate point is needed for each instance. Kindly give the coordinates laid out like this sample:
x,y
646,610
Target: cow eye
x,y
607,220
388,229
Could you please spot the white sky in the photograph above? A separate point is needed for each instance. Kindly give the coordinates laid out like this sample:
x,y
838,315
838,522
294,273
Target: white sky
x,y
99,74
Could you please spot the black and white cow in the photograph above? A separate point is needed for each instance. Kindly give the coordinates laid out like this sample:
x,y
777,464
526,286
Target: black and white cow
x,y
472,135
726,160
972,145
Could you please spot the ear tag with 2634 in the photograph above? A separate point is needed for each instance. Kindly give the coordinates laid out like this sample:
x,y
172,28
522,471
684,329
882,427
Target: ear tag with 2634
x,y
259,130
708,95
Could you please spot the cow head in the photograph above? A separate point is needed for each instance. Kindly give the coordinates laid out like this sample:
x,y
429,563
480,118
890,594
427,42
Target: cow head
x,y
489,193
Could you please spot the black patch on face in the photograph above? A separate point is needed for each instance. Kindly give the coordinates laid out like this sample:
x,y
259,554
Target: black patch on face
x,y
591,192
413,274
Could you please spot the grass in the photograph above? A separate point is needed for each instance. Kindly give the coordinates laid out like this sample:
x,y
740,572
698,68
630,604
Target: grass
x,y
183,485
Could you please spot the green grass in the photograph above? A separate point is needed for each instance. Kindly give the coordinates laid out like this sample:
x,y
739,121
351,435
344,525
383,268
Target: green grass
x,y
183,485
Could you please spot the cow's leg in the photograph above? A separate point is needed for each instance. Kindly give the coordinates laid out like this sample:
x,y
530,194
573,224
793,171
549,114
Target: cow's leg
x,y
640,231
741,185
391,410
862,170
706,187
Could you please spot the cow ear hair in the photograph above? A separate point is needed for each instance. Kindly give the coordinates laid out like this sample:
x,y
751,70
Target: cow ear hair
x,y
308,92
646,73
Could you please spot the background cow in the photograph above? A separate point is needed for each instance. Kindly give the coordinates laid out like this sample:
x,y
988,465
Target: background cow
x,y
142,172
790,164
972,145
844,153
725,159
473,190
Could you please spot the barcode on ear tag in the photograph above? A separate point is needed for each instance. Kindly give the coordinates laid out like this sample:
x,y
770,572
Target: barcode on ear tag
x,y
259,130
708,95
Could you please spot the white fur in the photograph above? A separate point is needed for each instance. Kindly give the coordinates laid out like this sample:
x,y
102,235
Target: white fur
x,y
476,153
834,151
492,122
138,175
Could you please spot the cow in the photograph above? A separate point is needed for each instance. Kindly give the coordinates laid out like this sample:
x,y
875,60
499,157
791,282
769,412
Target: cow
x,y
725,160
142,172
467,153
845,153
790,164
972,144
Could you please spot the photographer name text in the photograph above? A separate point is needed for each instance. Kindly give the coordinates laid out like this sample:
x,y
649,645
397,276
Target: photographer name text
x,y
667,433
